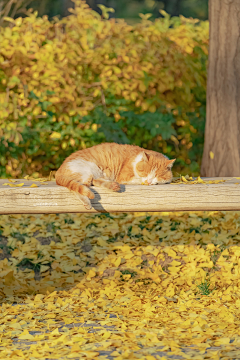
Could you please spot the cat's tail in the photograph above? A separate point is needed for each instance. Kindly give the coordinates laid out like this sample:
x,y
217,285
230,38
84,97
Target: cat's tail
x,y
82,192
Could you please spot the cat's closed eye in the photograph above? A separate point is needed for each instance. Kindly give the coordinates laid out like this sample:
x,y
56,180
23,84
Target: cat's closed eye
x,y
108,165
142,168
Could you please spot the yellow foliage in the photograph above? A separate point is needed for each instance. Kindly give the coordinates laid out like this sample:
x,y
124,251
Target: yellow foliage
x,y
54,61
147,282
77,62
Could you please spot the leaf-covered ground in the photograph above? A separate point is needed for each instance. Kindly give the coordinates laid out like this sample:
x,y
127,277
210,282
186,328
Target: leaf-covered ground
x,y
120,286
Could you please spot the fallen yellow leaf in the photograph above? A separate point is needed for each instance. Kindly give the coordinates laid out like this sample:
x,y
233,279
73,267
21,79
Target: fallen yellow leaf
x,y
184,179
200,180
211,154
14,185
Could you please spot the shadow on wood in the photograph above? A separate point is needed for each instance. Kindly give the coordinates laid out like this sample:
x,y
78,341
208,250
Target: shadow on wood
x,y
52,198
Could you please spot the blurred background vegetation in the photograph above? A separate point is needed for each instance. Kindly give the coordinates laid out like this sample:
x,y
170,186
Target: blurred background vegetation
x,y
73,80
126,9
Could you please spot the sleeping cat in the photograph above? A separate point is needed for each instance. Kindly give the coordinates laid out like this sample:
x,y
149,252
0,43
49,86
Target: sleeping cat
x,y
109,165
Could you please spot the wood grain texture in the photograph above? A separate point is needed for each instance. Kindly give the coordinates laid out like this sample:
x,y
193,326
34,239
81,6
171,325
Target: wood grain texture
x,y
52,198
223,91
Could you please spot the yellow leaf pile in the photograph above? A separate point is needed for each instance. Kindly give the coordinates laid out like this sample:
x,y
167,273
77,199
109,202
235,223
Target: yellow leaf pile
x,y
13,185
133,286
190,180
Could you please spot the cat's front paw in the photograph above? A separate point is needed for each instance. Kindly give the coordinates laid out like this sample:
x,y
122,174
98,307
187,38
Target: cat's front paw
x,y
84,200
114,186
88,206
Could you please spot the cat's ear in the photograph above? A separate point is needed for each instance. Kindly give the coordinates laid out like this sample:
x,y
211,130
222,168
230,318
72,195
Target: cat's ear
x,y
144,156
170,163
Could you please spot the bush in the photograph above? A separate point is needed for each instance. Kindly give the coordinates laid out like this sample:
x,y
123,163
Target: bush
x,y
72,83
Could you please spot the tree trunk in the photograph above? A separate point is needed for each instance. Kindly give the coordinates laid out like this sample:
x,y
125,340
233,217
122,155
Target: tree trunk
x,y
221,156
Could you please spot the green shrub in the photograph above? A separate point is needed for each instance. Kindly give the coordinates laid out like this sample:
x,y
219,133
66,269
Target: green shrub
x,y
70,84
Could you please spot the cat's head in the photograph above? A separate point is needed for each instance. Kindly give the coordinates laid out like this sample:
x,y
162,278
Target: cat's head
x,y
153,169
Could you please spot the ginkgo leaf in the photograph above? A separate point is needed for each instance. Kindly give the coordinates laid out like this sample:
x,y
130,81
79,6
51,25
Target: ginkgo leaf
x,y
26,336
55,135
14,185
200,180
55,332
16,326
44,268
211,154
184,179
117,262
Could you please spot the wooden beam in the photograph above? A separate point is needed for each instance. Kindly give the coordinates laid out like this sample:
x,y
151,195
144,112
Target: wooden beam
x,y
52,198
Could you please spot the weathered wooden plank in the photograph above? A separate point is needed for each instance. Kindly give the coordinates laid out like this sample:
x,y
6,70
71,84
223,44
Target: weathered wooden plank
x,y
52,198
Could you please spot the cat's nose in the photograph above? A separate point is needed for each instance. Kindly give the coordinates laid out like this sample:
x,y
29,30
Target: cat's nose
x,y
149,182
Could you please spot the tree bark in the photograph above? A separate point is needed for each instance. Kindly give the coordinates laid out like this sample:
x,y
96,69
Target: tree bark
x,y
221,156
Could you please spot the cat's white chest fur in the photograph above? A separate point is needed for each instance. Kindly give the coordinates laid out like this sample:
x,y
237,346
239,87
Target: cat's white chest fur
x,y
85,168
135,181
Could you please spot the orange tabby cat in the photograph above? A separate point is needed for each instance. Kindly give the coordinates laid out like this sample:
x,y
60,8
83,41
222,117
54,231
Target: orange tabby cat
x,y
109,165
